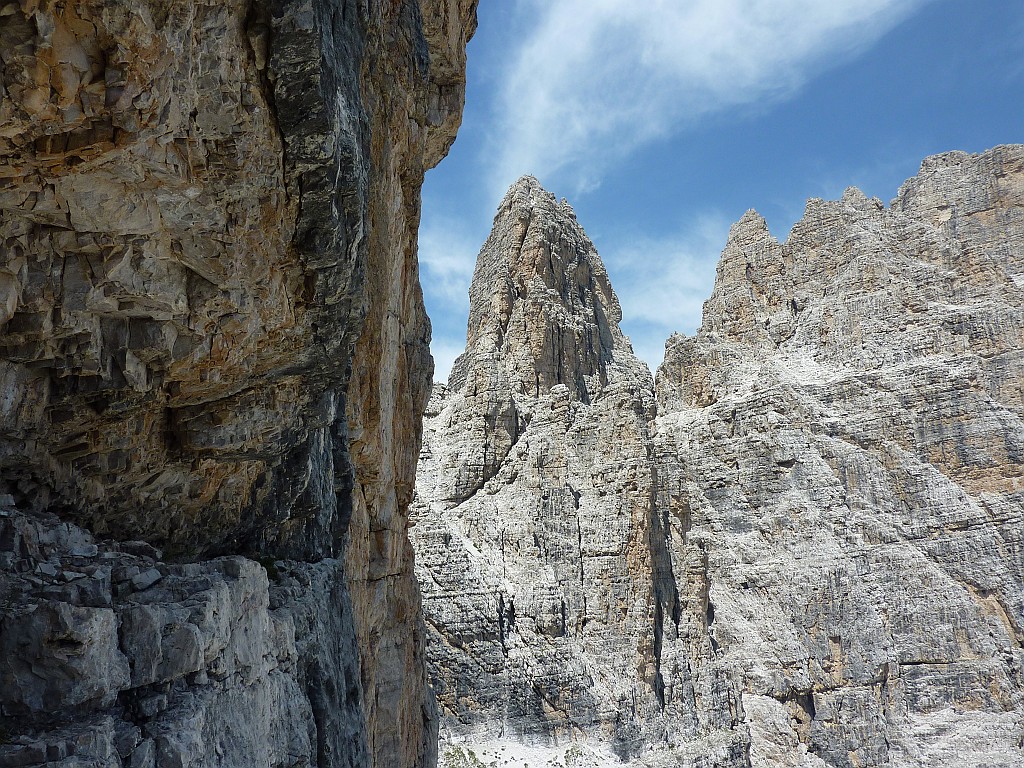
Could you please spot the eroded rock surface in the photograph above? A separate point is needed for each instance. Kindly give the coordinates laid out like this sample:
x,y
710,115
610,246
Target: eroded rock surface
x,y
845,436
212,340
553,612
111,656
808,554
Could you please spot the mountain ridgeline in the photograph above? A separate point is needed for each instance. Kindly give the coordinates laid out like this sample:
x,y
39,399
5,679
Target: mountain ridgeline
x,y
802,546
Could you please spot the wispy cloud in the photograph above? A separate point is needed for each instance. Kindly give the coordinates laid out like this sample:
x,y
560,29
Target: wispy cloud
x,y
447,252
575,87
594,79
662,282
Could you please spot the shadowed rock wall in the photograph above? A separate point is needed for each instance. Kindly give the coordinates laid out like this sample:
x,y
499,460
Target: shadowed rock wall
x,y
208,215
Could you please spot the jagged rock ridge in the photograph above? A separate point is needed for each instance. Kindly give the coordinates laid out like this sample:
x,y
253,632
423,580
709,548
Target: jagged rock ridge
x,y
212,343
845,434
829,498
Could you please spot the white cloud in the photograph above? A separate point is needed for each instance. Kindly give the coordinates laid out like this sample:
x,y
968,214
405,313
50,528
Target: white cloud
x,y
594,79
662,282
444,351
447,254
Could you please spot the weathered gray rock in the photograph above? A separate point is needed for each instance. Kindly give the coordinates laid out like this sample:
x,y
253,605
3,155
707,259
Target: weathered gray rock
x,y
811,555
59,655
845,436
212,343
197,667
164,671
547,579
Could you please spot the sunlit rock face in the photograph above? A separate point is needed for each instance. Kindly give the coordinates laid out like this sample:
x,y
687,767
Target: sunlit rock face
x,y
846,437
557,613
808,553
213,344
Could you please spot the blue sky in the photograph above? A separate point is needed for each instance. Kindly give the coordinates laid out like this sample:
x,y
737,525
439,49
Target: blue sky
x,y
663,121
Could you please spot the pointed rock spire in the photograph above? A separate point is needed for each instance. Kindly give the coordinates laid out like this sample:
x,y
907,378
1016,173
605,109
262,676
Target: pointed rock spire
x,y
541,299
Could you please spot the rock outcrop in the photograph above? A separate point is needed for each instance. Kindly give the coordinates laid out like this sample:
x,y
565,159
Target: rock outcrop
x,y
214,346
546,571
809,553
845,436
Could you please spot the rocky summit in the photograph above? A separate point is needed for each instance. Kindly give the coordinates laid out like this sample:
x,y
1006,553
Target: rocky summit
x,y
801,547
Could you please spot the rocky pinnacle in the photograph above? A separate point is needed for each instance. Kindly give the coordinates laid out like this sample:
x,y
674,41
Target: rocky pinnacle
x,y
540,299
548,588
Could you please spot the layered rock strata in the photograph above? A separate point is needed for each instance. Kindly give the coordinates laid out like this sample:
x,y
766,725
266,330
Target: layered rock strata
x,y
845,437
112,656
808,553
213,343
550,588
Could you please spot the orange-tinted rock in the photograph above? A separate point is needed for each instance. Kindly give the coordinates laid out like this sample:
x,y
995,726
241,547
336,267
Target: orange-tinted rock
x,y
208,217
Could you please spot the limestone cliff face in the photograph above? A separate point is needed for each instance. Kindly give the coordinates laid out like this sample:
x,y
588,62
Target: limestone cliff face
x,y
214,343
845,437
547,578
811,554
